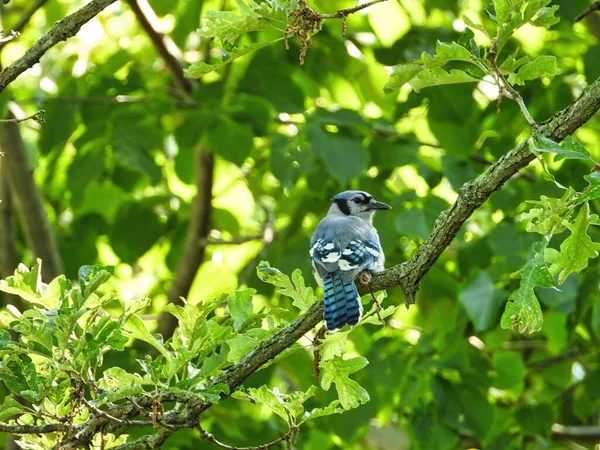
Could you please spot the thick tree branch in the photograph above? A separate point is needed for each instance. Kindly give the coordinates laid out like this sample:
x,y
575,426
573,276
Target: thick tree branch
x,y
61,31
28,200
474,193
407,276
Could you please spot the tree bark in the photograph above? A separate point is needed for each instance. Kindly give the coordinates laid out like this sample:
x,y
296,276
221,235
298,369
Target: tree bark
x,y
28,201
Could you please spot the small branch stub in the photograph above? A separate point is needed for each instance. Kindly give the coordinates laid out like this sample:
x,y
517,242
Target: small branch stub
x,y
12,35
37,116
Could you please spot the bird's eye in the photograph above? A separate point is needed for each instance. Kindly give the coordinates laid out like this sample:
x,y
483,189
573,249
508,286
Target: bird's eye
x,y
356,200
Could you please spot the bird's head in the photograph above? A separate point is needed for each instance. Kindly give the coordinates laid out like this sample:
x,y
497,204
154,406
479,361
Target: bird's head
x,y
356,203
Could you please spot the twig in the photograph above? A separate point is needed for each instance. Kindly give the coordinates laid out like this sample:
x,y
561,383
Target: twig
x,y
584,433
205,242
549,362
23,21
210,438
35,116
33,429
343,13
12,35
61,31
506,88
120,422
158,40
593,7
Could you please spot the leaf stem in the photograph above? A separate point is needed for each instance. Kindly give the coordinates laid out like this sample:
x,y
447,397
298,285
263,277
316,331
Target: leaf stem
x,y
506,88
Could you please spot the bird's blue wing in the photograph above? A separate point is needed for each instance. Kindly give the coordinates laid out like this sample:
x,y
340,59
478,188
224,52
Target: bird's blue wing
x,y
359,255
326,253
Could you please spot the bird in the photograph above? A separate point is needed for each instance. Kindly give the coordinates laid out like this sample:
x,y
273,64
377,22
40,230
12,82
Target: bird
x,y
344,245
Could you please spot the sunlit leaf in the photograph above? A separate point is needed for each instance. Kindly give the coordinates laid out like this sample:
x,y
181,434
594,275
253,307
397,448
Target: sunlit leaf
x,y
336,370
240,306
523,308
303,296
577,249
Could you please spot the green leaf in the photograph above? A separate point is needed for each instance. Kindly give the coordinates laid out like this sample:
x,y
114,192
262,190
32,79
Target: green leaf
x,y
118,383
231,140
438,76
240,346
228,26
510,372
557,332
137,329
10,407
199,69
545,17
550,214
445,53
577,249
303,297
332,408
536,420
503,8
480,300
400,75
345,157
92,277
523,309
25,283
336,370
592,191
542,66
334,345
475,26
240,306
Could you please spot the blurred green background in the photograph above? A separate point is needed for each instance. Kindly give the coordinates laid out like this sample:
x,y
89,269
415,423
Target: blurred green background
x,y
122,146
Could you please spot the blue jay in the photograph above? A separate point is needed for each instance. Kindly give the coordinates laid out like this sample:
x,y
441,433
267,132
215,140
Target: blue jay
x,y
345,244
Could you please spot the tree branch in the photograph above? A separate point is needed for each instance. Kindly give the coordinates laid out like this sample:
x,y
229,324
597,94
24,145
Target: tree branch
x,y
474,193
343,13
61,31
583,433
593,7
34,429
35,116
407,276
6,39
28,201
158,40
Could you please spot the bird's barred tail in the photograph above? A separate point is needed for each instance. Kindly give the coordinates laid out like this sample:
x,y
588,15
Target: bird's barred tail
x,y
342,302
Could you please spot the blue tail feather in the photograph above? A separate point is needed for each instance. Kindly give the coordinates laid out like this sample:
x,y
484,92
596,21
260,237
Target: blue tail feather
x,y
342,302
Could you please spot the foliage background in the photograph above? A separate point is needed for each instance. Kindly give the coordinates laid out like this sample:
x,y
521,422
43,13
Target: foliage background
x,y
116,164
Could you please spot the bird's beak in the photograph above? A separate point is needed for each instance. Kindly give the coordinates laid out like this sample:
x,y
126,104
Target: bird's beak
x,y
379,205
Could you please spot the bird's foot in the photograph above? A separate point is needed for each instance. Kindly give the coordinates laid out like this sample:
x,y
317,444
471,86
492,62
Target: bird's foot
x,y
365,277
